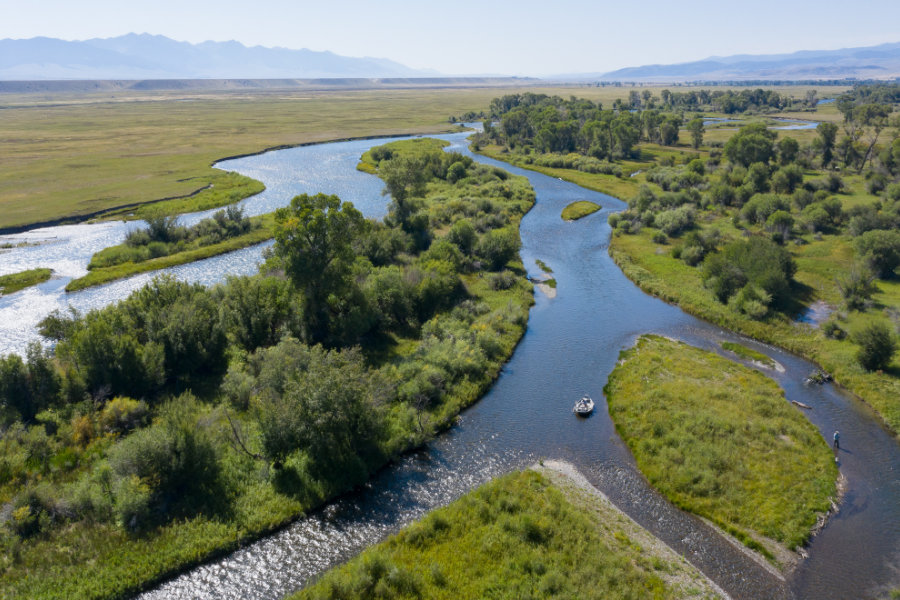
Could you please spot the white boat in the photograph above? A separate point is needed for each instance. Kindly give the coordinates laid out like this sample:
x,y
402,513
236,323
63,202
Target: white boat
x,y
584,407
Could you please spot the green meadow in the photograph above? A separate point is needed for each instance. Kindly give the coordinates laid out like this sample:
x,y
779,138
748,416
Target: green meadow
x,y
719,439
523,535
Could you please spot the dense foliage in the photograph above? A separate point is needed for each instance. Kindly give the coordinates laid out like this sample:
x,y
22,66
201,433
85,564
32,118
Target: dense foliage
x,y
233,408
163,236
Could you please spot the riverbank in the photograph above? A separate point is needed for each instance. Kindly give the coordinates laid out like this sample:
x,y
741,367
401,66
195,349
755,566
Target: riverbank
x,y
261,231
718,439
545,530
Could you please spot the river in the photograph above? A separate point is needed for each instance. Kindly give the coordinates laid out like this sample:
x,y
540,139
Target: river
x,y
571,345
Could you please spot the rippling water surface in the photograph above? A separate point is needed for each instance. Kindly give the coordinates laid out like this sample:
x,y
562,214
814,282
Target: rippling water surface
x,y
571,345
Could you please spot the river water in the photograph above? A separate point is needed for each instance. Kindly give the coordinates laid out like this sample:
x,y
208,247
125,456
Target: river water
x,y
571,344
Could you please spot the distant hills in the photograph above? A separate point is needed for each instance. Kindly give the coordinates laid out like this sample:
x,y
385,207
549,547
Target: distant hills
x,y
871,62
144,56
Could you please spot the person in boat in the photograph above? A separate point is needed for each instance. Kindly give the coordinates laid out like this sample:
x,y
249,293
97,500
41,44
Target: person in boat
x,y
837,440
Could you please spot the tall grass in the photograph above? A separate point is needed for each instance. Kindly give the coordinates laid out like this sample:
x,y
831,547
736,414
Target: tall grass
x,y
23,279
515,537
579,209
719,439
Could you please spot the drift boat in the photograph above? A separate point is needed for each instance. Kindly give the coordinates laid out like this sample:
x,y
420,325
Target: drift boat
x,y
584,407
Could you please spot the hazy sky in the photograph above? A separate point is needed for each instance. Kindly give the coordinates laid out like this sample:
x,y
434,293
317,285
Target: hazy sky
x,y
521,37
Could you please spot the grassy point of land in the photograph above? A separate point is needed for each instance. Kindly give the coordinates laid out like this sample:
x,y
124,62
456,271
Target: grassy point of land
x,y
19,281
718,439
543,266
605,184
224,188
579,209
262,230
749,354
526,534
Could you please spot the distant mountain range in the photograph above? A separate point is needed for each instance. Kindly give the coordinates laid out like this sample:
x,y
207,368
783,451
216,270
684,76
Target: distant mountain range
x,y
871,62
144,56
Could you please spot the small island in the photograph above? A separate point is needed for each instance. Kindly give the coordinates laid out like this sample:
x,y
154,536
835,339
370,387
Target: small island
x,y
23,279
580,209
164,243
719,439
748,354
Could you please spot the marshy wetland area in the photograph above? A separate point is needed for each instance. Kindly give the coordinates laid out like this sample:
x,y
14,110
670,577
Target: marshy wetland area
x,y
325,343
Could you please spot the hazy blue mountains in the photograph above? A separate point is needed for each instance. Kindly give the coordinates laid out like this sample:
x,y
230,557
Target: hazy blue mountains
x,y
871,62
144,56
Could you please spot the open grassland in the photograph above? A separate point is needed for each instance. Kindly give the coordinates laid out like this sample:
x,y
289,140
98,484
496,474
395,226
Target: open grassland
x,y
77,154
719,439
520,536
19,281
579,209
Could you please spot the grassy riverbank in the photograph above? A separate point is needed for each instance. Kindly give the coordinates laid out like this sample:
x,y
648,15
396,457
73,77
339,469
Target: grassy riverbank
x,y
18,281
579,209
524,535
261,230
223,188
718,439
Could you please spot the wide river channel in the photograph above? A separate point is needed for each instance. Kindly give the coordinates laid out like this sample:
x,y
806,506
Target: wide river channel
x,y
571,345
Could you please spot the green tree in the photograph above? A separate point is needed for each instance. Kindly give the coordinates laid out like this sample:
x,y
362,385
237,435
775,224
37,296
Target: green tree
x,y
880,250
780,224
696,129
788,148
313,239
404,177
752,144
827,132
330,410
876,346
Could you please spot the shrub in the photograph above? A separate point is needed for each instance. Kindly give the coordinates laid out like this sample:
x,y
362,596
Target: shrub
x,y
502,281
463,235
660,238
122,414
857,287
673,222
498,247
757,261
831,329
880,250
692,255
876,346
168,469
761,206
